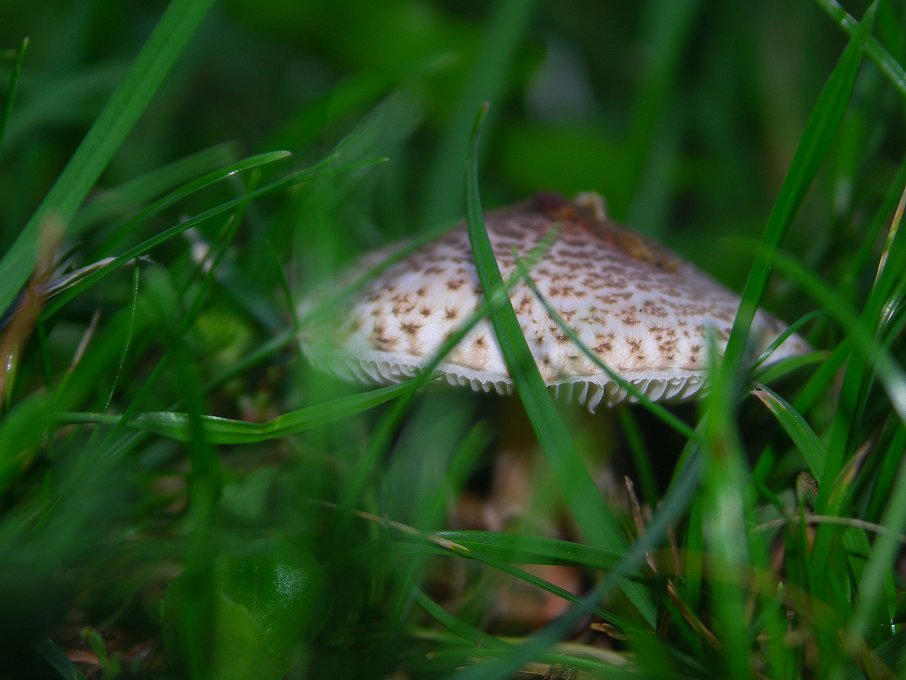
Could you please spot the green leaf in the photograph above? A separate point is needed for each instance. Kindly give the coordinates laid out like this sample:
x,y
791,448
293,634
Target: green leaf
x,y
269,600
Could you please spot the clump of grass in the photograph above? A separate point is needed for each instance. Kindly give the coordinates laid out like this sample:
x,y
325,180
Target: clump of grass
x,y
181,494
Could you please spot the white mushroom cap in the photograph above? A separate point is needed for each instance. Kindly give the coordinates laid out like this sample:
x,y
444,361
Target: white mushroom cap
x,y
641,309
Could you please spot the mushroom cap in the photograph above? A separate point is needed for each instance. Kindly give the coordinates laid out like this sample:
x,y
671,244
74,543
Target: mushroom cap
x,y
641,309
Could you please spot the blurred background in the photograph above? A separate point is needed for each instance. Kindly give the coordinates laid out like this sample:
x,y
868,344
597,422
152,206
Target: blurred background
x,y
683,114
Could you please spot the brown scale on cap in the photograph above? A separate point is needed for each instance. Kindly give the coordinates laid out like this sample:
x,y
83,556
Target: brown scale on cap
x,y
588,212
642,310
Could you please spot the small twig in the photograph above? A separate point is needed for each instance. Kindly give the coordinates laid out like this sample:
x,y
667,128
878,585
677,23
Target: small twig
x,y
444,543
637,518
830,519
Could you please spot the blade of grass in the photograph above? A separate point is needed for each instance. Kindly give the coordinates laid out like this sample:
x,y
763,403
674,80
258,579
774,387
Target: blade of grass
x,y
531,549
795,425
381,437
695,552
641,457
657,409
824,375
889,66
547,586
795,327
486,82
11,86
674,503
455,625
205,483
110,128
880,562
668,26
315,172
888,468
57,659
860,375
787,365
593,515
122,361
178,425
727,507
813,145
859,261
871,349
67,99
108,204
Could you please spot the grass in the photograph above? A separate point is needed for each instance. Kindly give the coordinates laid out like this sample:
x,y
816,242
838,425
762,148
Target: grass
x,y
182,495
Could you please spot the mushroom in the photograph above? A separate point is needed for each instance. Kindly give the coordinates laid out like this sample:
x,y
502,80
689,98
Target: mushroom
x,y
641,309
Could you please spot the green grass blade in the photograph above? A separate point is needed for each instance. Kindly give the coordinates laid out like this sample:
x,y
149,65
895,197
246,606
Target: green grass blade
x,y
486,82
119,115
21,429
795,425
553,589
695,554
878,311
178,425
507,547
582,496
880,562
674,503
669,25
783,367
307,175
817,384
57,659
795,327
860,260
813,146
122,362
889,66
657,409
549,427
110,204
871,349
454,624
727,507
641,457
10,97
380,439
66,100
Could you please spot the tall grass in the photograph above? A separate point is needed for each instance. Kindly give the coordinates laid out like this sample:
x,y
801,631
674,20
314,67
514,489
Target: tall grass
x,y
182,495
